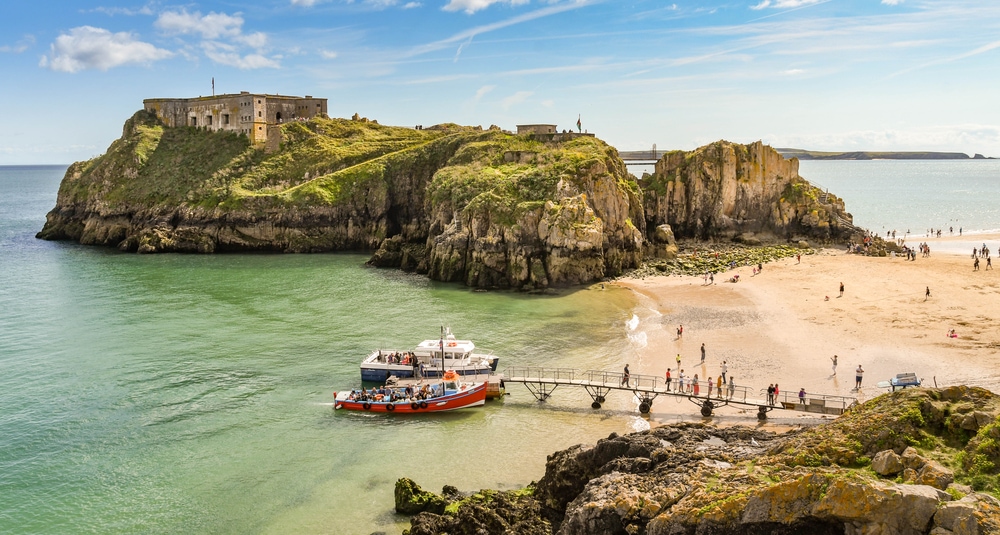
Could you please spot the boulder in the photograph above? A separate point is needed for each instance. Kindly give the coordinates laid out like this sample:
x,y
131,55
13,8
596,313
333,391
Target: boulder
x,y
887,463
664,234
880,508
411,499
911,459
935,475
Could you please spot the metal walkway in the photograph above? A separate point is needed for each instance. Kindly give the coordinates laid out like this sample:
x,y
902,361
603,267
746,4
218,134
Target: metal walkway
x,y
542,382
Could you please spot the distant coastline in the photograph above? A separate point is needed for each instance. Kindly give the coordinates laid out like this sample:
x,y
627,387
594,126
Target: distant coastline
x,y
877,155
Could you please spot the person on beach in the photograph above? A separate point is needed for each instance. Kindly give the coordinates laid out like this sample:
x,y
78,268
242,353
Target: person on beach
x,y
695,387
625,376
703,352
710,384
841,289
668,379
724,370
711,278
678,361
798,259
989,263
720,382
927,294
834,359
802,396
732,387
858,375
975,265
680,331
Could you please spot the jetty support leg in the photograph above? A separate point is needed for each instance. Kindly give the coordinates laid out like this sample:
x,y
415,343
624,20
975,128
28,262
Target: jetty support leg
x,y
541,391
597,393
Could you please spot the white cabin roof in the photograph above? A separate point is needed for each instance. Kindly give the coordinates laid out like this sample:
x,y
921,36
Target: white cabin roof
x,y
450,346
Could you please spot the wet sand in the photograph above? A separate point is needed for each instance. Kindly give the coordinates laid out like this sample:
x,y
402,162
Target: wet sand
x,y
778,326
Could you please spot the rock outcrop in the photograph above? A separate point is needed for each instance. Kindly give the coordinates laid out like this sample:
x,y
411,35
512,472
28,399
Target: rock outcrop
x,y
740,191
835,478
483,208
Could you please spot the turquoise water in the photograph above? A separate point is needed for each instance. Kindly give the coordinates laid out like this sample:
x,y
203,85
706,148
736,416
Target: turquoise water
x,y
885,195
177,393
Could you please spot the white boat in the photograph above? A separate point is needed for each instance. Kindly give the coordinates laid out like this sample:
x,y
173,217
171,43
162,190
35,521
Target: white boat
x,y
428,359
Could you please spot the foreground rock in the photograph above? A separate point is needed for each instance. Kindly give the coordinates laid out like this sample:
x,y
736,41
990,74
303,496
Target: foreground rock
x,y
856,475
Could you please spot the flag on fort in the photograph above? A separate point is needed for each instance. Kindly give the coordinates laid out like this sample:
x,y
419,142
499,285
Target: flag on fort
x,y
213,85
578,125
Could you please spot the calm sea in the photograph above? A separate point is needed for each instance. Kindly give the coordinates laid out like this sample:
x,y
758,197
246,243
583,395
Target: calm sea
x,y
180,393
886,195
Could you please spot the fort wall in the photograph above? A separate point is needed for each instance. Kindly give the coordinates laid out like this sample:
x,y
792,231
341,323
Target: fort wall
x,y
245,113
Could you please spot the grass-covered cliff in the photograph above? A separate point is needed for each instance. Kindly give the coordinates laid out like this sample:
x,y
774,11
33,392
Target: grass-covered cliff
x,y
514,211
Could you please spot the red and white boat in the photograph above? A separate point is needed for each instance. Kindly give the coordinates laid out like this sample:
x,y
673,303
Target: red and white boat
x,y
448,394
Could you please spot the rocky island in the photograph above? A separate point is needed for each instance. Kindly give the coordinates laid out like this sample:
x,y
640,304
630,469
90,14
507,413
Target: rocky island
x,y
919,461
486,208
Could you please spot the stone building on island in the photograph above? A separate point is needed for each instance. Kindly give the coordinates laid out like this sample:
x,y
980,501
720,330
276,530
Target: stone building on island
x,y
247,113
549,132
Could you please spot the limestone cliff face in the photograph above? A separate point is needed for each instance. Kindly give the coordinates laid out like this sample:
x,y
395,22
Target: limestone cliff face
x,y
727,190
480,207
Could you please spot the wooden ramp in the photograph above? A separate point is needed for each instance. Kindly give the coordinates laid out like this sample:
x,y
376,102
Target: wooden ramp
x,y
542,382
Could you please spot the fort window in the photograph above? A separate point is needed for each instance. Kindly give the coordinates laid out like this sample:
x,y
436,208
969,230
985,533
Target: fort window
x,y
208,120
225,118
260,113
194,121
277,117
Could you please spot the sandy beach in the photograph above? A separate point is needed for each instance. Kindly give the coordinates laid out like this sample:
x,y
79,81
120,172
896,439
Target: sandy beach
x,y
779,327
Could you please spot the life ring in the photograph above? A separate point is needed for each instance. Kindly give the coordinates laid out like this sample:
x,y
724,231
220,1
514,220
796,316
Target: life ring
x,y
390,407
366,406
423,404
414,405
452,344
338,406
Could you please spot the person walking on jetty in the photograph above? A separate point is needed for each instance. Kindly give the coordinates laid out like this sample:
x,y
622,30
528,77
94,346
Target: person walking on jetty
x,y
802,396
680,382
770,394
695,387
721,383
859,374
834,360
703,352
710,385
625,376
732,387
841,289
724,370
775,393
668,379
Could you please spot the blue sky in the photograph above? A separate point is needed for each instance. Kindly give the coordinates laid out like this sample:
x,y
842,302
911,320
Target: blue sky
x,y
814,74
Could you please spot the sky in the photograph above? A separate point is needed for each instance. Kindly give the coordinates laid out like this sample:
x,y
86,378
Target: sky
x,y
835,75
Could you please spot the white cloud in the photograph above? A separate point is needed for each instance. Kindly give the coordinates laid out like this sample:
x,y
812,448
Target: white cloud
x,y
226,54
471,6
789,4
327,54
211,26
892,2
112,11
411,5
943,138
21,45
792,72
482,91
515,99
86,47
304,3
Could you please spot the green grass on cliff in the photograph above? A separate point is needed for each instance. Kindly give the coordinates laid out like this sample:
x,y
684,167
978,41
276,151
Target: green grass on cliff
x,y
934,422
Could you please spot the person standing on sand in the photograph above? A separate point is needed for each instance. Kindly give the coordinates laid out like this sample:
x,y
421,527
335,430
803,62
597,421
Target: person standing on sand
x,y
841,289
703,352
858,375
678,361
975,265
834,359
680,331
724,370
798,259
927,294
989,263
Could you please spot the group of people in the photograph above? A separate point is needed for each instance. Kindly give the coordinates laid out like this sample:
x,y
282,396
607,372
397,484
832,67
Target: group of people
x,y
693,386
981,253
387,394
399,357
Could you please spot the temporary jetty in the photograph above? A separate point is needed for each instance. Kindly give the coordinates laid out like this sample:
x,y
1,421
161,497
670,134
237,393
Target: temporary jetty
x,y
541,382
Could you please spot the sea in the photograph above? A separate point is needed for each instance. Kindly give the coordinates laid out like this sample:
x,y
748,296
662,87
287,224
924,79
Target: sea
x,y
192,393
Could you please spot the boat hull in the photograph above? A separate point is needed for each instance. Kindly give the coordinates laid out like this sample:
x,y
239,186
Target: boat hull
x,y
473,396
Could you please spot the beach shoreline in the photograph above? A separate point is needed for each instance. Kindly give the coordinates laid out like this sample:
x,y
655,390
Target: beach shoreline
x,y
785,324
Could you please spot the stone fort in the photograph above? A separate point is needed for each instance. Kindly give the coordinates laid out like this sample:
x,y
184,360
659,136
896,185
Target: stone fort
x,y
247,113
